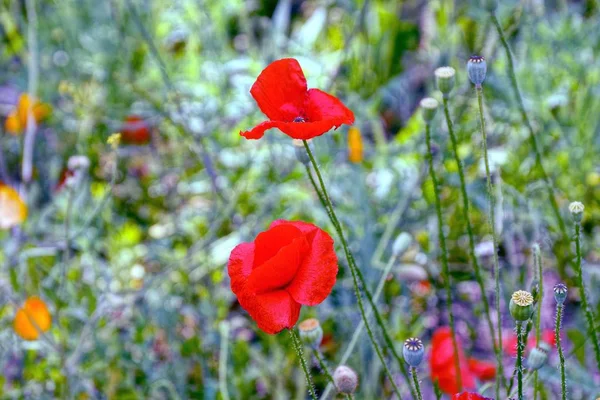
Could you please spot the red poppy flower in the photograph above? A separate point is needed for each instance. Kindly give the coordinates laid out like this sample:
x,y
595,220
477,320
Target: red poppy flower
x,y
509,343
135,130
469,396
301,113
291,264
442,364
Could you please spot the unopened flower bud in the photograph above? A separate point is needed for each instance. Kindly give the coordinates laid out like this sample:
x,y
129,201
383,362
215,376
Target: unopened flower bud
x,y
444,77
345,379
429,107
301,153
560,293
413,351
490,5
576,209
537,357
311,332
521,305
476,69
401,244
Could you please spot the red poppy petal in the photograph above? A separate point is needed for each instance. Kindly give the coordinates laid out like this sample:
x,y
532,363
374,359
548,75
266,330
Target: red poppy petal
x,y
468,396
295,130
273,311
271,241
483,370
279,270
442,363
306,228
280,90
239,266
320,106
316,276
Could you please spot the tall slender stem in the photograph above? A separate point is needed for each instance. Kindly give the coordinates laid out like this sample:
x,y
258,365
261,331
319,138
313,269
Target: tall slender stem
x,y
413,372
538,266
492,223
443,255
561,355
355,271
584,299
466,217
519,367
532,137
298,347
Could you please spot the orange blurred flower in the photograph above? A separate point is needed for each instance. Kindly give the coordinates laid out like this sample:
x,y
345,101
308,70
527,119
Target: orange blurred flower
x,y
355,145
13,210
16,122
32,318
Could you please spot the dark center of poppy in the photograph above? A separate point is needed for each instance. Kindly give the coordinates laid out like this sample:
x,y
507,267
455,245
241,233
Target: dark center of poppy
x,y
299,119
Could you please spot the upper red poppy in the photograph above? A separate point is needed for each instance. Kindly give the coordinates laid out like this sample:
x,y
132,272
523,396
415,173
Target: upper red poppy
x,y
291,264
469,396
301,113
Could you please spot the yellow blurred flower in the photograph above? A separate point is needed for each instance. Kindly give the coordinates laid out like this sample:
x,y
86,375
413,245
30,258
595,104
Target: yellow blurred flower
x,y
13,209
355,145
114,140
16,122
32,318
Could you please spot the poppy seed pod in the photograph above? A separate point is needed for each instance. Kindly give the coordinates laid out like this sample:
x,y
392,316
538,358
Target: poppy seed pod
x,y
413,351
301,153
490,5
560,293
537,357
345,379
476,69
429,107
444,77
576,209
311,332
521,305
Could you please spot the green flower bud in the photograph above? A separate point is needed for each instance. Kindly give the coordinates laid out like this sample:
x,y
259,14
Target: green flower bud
x,y
521,305
429,107
311,333
490,5
576,209
444,77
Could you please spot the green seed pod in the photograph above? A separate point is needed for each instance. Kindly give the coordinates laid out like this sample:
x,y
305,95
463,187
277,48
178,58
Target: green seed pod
x,y
311,333
521,305
413,352
429,107
537,358
576,209
560,293
444,77
476,70
490,5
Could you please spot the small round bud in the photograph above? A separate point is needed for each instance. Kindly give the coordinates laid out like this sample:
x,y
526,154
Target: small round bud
x,y
300,151
345,379
413,351
490,5
560,293
311,332
444,77
576,209
521,305
476,69
429,106
401,244
537,357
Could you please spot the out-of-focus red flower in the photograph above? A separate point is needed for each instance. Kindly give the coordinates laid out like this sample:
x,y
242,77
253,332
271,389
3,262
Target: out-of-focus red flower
x,y
301,113
509,343
135,130
469,396
291,264
62,179
442,366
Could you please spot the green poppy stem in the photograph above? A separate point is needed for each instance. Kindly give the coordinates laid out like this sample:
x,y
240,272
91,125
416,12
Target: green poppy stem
x,y
519,366
413,372
561,355
298,347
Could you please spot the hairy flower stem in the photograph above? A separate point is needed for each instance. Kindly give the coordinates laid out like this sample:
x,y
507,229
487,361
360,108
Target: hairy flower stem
x,y
356,273
413,372
444,254
532,137
589,315
561,355
466,217
519,366
298,347
538,268
325,370
492,223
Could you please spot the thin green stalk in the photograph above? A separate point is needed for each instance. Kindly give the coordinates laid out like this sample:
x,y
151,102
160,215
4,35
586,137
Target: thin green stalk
x,y
413,372
519,366
355,271
526,120
492,223
298,347
444,255
584,300
466,217
561,355
537,261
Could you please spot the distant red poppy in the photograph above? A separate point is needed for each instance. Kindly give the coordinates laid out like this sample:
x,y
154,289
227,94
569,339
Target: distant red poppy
x,y
291,264
509,343
469,396
442,364
135,130
282,95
